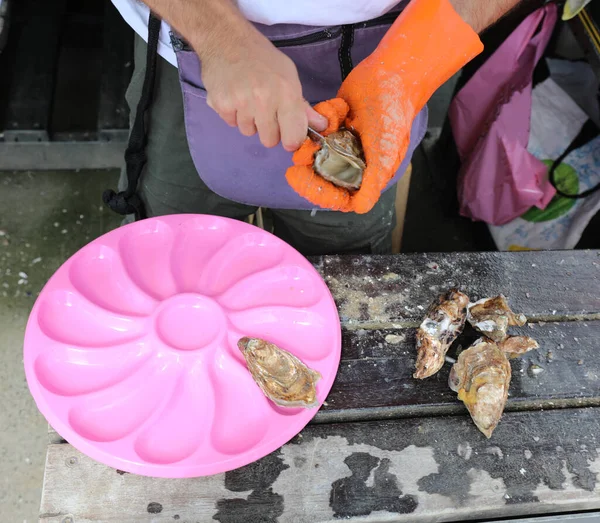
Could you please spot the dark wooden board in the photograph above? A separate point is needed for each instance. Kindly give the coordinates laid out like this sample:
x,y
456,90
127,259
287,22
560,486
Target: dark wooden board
x,y
375,376
390,291
413,470
399,456
375,380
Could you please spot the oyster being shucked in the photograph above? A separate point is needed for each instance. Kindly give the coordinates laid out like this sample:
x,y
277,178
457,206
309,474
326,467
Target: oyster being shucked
x,y
444,322
283,378
481,377
515,346
340,159
492,317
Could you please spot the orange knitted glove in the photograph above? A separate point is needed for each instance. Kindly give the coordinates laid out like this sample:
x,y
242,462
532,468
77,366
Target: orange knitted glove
x,y
424,47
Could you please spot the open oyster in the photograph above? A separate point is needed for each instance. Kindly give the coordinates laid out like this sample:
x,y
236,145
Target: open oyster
x,y
445,320
492,317
515,346
340,159
283,378
481,377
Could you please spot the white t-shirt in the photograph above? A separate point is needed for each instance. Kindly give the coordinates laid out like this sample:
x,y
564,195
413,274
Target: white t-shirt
x,y
268,12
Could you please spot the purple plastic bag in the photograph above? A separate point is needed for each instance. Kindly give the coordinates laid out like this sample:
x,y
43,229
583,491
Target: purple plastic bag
x,y
490,117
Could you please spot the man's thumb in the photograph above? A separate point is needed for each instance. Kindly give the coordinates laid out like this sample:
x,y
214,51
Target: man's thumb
x,y
315,120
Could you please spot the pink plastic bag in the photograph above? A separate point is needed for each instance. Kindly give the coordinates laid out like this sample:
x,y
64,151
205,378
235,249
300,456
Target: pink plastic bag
x,y
490,117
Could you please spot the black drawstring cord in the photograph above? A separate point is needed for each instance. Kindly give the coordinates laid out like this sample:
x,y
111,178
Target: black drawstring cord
x,y
128,201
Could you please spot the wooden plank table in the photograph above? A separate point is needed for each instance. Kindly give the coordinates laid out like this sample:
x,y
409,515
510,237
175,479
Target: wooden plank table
x,y
386,447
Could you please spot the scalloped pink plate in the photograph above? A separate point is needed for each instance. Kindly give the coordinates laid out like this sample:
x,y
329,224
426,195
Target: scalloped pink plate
x,y
131,348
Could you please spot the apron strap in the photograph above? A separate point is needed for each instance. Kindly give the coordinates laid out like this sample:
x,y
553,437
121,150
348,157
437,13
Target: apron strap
x,y
128,201
588,132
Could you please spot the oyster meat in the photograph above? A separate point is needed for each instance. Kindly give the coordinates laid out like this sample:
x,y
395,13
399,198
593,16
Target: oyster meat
x,y
340,159
282,377
515,346
492,317
444,322
481,376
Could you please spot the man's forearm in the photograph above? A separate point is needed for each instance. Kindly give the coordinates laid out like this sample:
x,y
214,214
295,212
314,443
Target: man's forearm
x,y
480,14
218,26
210,26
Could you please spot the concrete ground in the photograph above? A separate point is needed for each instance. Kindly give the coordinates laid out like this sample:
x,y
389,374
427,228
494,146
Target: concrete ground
x,y
44,218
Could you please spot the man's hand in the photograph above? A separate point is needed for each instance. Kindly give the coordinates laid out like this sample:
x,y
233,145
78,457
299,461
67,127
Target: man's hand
x,y
428,43
256,88
424,47
250,83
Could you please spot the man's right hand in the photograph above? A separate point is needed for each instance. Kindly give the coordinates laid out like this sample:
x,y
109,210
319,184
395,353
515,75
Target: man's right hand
x,y
254,86
250,83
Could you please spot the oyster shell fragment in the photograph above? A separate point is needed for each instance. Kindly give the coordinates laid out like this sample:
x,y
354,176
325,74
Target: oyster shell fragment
x,y
340,159
445,320
492,317
515,346
282,377
481,376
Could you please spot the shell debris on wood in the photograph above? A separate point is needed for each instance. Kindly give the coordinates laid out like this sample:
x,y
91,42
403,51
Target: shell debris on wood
x,y
492,317
282,377
340,159
445,320
481,377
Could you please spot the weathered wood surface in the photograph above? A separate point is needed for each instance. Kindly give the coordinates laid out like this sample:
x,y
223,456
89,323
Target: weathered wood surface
x,y
386,292
410,470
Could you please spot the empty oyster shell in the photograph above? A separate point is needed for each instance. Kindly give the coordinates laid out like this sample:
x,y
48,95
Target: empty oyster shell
x,y
340,159
481,377
492,317
515,346
283,378
445,320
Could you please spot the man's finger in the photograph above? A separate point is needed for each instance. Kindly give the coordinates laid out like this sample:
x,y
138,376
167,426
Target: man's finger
x,y
245,123
315,120
228,114
230,118
293,125
268,128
